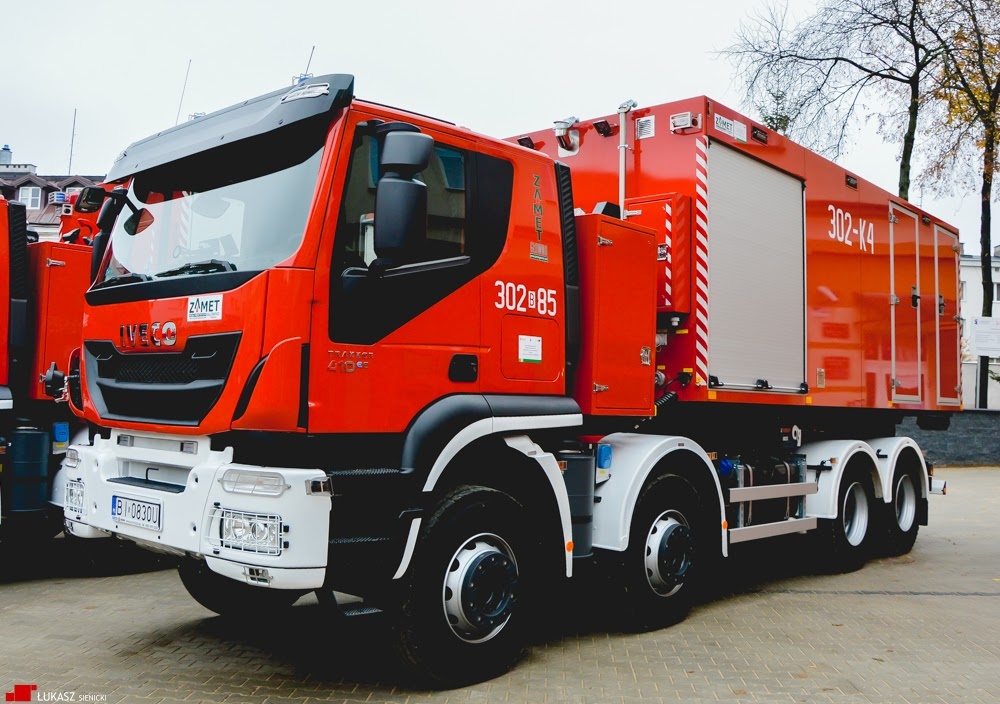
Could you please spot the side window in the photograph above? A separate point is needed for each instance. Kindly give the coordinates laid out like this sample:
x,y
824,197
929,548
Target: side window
x,y
445,178
468,211
31,196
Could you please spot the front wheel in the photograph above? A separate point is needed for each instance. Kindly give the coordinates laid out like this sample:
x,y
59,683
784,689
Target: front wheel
x,y
463,616
230,598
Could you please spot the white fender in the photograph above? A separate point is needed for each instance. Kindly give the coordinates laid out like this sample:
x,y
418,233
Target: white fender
x,y
82,437
834,454
549,465
888,451
633,457
523,444
490,426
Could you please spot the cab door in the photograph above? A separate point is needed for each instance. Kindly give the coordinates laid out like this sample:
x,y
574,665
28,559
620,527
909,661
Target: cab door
x,y
390,337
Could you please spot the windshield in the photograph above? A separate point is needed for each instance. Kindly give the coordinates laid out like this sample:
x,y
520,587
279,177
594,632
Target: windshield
x,y
243,209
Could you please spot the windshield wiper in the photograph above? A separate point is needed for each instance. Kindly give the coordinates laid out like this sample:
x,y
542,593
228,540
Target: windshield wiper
x,y
207,267
130,278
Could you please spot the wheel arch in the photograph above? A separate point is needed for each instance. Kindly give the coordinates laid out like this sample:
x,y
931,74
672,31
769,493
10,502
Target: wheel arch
x,y
894,452
514,464
636,459
835,456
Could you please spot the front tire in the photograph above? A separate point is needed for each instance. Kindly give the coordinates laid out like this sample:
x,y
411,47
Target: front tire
x,y
462,618
230,598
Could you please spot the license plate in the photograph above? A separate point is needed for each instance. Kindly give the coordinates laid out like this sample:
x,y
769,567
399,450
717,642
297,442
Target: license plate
x,y
135,512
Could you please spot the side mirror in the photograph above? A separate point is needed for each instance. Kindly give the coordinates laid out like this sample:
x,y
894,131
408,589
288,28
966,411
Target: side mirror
x,y
401,201
90,199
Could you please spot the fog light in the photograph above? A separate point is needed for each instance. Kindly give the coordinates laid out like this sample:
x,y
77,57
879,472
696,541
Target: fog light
x,y
76,497
241,481
250,532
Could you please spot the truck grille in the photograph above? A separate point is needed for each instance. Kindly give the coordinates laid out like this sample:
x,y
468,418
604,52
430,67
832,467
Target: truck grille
x,y
166,387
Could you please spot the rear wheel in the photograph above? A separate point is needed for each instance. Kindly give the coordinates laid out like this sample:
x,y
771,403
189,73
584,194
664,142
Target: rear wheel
x,y
667,545
901,521
847,538
463,616
230,598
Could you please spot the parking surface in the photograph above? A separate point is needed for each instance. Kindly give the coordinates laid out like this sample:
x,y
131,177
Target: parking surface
x,y
117,626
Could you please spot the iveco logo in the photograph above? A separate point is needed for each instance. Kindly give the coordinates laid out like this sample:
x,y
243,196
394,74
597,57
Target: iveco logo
x,y
148,334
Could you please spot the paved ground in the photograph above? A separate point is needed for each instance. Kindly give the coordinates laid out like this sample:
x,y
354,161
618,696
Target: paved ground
x,y
921,628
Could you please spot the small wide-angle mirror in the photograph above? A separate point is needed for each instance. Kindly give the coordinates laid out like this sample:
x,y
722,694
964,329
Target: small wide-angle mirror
x,y
138,221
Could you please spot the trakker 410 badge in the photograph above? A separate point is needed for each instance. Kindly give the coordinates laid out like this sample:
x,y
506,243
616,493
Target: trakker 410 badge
x,y
148,334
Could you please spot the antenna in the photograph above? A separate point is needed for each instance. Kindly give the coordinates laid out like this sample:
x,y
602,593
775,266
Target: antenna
x,y
72,137
183,88
303,76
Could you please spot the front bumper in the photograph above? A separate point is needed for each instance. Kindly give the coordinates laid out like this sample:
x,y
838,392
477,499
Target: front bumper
x,y
267,526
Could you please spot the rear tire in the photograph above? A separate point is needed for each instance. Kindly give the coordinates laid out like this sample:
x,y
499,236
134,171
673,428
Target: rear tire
x,y
230,598
463,617
901,513
847,539
668,544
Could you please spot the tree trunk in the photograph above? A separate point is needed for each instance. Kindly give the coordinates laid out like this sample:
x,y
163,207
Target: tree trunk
x,y
986,250
908,138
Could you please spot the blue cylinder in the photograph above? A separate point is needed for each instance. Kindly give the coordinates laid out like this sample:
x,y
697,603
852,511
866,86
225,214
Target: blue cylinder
x,y
29,467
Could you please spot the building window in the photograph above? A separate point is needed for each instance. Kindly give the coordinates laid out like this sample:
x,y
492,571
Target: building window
x,y
31,196
962,291
996,292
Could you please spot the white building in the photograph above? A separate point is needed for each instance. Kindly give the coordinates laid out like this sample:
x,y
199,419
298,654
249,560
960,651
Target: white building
x,y
971,306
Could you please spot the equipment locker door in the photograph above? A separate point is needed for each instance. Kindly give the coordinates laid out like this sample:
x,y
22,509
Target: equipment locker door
x,y
756,274
905,282
946,290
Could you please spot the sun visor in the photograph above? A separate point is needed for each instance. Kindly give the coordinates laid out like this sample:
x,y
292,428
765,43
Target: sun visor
x,y
316,96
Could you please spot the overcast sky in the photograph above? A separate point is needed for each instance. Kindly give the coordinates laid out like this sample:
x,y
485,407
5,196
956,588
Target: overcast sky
x,y
497,68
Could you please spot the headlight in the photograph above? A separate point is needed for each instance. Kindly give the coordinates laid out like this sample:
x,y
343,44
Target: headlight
x,y
76,497
250,532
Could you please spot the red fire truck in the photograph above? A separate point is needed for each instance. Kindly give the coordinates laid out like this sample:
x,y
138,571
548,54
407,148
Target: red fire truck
x,y
41,322
337,346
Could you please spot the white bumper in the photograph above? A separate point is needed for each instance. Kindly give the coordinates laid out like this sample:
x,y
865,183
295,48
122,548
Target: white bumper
x,y
174,485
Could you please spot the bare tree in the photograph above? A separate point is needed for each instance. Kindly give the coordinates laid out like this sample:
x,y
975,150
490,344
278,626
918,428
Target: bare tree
x,y
968,88
814,78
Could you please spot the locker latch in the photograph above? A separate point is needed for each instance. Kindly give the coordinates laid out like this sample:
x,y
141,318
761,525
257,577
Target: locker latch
x,y
940,304
914,297
893,299
604,241
598,388
54,262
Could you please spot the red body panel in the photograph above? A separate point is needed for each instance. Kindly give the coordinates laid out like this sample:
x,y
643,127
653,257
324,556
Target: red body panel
x,y
861,349
618,305
242,310
59,274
